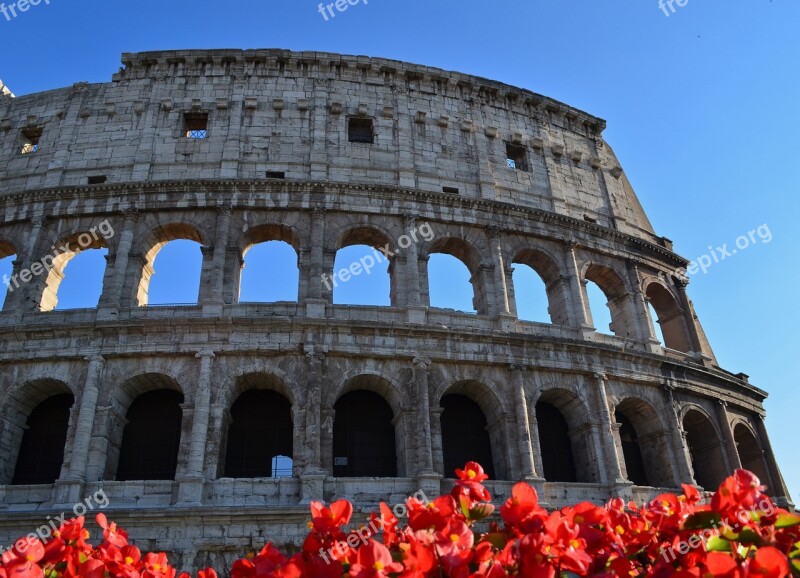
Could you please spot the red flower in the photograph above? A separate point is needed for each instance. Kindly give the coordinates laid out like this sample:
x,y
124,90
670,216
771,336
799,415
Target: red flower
x,y
522,511
374,561
112,535
769,562
327,519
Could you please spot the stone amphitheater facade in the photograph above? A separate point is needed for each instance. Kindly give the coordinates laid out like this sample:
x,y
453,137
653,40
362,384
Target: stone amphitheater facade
x,y
278,163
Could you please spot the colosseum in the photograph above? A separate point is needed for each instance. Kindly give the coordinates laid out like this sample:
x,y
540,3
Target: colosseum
x,y
210,426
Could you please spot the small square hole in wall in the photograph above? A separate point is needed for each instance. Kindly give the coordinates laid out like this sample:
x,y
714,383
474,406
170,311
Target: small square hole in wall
x,y
360,130
30,140
276,175
97,179
451,190
196,125
516,157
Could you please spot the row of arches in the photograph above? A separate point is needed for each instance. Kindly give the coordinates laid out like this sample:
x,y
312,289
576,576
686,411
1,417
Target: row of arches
x,y
260,430
269,261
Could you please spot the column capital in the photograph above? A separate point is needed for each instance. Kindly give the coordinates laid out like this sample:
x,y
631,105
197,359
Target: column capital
x,y
96,358
421,361
493,231
131,213
600,376
318,212
38,220
224,207
410,219
205,353
517,367
723,403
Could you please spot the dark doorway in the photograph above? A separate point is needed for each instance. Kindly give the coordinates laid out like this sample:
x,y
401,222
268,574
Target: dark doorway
x,y
363,437
41,453
464,435
555,443
632,453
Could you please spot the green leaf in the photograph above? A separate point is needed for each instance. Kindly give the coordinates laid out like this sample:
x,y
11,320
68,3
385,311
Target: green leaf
x,y
464,501
702,521
481,511
787,521
748,536
717,544
497,540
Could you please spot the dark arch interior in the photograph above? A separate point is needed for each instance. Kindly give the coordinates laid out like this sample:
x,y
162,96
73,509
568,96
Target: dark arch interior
x,y
705,449
260,430
363,436
464,435
750,453
555,443
632,453
152,437
41,453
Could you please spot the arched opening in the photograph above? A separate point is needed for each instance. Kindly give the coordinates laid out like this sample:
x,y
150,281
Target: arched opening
x,y
269,269
7,258
538,289
531,295
555,443
645,444
750,453
260,432
173,267
705,448
631,452
82,287
656,325
41,454
83,280
270,273
464,435
151,438
455,279
615,301
669,318
362,274
363,436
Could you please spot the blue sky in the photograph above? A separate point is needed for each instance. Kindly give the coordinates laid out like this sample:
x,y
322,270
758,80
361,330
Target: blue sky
x,y
701,108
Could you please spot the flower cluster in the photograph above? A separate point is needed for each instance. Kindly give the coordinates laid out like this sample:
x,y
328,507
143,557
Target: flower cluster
x,y
740,533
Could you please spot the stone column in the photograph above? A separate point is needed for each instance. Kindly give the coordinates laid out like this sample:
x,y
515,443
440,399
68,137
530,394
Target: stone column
x,y
436,442
777,485
214,302
319,295
110,301
642,311
731,453
611,434
424,457
191,486
682,461
695,338
9,304
577,306
412,266
499,270
24,298
524,434
313,476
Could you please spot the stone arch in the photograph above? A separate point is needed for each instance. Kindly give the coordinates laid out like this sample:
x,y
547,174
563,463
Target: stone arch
x,y
121,398
368,432
705,448
751,454
17,406
377,238
263,233
489,402
8,249
55,262
150,246
613,286
650,439
549,271
466,252
581,438
671,317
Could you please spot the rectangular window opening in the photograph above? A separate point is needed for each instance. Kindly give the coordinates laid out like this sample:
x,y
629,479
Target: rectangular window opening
x,y
360,130
30,140
276,175
196,125
97,179
451,190
516,157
